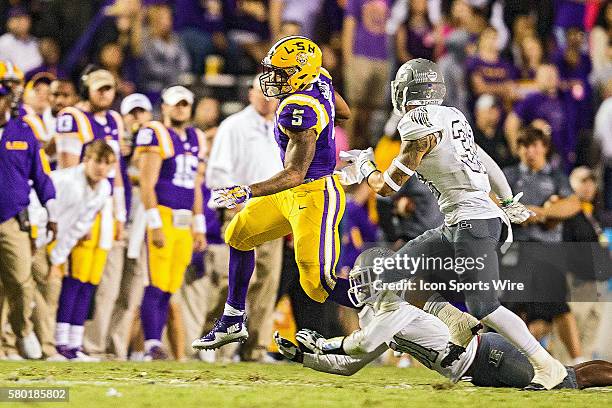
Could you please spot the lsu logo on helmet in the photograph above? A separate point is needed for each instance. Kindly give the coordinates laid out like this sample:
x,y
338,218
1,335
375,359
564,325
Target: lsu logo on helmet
x,y
291,65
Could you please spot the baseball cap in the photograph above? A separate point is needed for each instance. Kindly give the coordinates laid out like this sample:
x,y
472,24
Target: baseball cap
x,y
175,94
580,174
99,79
133,101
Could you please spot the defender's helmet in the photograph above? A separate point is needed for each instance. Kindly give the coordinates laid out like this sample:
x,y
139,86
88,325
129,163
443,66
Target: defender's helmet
x,y
362,277
291,65
417,82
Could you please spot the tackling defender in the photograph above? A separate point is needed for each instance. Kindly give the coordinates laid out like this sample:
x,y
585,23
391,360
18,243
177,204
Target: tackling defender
x,y
304,198
438,146
387,321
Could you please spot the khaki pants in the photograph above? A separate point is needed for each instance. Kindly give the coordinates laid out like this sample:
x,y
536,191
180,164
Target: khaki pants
x,y
16,276
589,316
96,329
261,299
46,298
127,306
200,298
117,299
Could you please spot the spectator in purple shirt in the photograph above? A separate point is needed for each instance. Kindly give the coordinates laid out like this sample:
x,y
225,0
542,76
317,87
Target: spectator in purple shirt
x,y
568,13
201,26
50,52
164,56
574,67
416,37
364,47
488,73
551,109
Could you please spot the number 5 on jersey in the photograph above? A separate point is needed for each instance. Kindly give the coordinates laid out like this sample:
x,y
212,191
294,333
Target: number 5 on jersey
x,y
297,117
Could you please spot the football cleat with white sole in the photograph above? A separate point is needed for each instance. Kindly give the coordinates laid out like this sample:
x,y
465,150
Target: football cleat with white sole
x,y
547,378
80,355
30,347
227,329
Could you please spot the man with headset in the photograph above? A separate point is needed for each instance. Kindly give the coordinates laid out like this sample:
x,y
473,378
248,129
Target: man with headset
x,y
76,128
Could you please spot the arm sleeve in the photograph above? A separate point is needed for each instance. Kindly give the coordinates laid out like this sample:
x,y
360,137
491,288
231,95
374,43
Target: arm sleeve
x,y
86,218
339,364
498,181
39,173
416,124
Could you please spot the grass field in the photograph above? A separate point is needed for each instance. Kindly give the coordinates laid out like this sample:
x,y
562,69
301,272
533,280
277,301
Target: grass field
x,y
182,385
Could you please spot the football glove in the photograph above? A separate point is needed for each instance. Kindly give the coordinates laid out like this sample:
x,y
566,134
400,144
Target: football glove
x,y
516,212
230,197
317,344
289,350
366,164
349,174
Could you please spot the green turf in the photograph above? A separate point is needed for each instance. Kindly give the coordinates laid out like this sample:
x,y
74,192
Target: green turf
x,y
182,385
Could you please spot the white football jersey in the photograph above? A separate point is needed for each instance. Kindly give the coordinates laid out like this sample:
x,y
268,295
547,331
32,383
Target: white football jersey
x,y
423,336
452,169
391,320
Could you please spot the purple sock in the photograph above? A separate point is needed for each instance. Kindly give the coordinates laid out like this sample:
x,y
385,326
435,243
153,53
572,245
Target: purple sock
x,y
82,304
164,302
149,313
68,295
241,267
340,293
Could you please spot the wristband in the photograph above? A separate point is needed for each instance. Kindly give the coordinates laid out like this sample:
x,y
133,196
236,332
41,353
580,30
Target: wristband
x,y
199,224
394,186
406,170
153,218
367,168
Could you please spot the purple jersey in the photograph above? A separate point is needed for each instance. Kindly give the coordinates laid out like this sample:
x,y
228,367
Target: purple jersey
x,y
312,108
175,186
89,128
22,159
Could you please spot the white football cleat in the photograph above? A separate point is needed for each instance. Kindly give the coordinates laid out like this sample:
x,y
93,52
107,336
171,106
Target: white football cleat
x,y
547,377
30,347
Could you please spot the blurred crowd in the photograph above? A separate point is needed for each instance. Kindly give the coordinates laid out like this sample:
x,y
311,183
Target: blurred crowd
x,y
533,78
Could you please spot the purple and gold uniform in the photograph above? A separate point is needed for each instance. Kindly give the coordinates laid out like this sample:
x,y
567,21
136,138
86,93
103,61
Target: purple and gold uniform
x,y
22,159
88,257
312,210
175,192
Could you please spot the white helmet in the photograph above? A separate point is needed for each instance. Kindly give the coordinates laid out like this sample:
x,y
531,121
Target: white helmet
x,y
417,82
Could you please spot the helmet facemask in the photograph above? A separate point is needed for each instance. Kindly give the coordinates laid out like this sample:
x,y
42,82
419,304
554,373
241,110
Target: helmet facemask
x,y
274,81
361,285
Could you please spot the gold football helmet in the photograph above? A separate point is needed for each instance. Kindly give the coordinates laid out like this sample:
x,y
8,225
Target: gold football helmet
x,y
291,65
